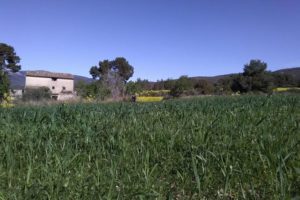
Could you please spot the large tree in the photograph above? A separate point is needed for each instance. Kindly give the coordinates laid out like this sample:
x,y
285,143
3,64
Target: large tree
x,y
255,78
254,68
119,66
9,61
114,74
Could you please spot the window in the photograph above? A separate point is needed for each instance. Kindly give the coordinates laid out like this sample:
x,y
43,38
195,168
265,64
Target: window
x,y
54,79
53,87
63,88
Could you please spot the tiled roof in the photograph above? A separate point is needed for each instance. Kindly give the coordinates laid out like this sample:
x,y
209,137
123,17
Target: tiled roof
x,y
47,74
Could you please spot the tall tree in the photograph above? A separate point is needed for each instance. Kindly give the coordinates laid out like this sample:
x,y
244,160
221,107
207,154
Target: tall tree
x,y
255,67
119,66
9,61
255,77
114,74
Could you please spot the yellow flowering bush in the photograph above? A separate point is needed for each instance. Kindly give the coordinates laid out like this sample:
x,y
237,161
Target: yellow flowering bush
x,y
154,93
284,89
89,98
7,101
148,99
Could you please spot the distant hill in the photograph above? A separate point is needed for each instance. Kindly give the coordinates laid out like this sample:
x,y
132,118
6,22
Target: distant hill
x,y
17,80
83,79
294,72
212,79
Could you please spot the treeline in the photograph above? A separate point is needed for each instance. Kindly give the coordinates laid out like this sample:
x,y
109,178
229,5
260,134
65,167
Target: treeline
x,y
111,83
254,79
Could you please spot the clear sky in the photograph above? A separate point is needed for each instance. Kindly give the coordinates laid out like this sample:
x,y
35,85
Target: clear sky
x,y
160,38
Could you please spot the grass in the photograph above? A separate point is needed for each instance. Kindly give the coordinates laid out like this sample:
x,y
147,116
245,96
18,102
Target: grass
x,y
243,147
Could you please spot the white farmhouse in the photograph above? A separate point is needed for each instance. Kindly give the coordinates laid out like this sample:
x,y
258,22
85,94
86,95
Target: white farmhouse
x,y
61,85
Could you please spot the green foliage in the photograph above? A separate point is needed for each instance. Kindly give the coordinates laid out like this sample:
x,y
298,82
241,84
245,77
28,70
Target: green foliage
x,y
255,67
4,85
37,94
95,91
183,84
132,88
113,75
164,84
203,87
245,147
8,61
137,86
119,66
284,80
8,58
254,79
7,101
224,86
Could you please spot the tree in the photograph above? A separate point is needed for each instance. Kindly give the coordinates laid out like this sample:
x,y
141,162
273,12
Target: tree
x,y
113,75
119,66
8,62
94,90
182,85
203,87
169,84
132,88
255,78
255,67
284,80
224,86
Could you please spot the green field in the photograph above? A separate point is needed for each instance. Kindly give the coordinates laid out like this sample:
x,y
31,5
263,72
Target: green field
x,y
243,147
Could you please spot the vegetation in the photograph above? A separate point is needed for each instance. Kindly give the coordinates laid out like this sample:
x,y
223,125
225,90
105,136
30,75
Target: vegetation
x,y
149,98
37,94
96,91
138,86
242,147
254,79
7,101
153,93
113,75
8,61
287,90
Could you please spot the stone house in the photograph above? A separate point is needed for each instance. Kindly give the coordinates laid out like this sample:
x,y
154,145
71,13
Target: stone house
x,y
61,85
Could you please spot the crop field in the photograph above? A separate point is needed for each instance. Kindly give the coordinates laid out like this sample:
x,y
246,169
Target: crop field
x,y
241,147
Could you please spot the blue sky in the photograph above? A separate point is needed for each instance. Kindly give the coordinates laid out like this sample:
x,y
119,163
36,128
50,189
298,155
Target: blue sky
x,y
160,38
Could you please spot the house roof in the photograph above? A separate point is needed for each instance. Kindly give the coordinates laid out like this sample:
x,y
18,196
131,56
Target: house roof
x,y
47,74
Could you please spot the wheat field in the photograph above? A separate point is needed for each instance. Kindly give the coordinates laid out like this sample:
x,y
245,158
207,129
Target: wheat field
x,y
242,147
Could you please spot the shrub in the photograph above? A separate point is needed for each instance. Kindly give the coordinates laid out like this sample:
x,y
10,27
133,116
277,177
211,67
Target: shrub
x,y
149,98
6,101
37,94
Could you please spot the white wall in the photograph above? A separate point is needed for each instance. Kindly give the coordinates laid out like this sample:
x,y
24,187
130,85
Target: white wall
x,y
56,87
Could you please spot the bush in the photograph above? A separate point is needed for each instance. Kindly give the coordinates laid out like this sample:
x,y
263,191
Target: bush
x,y
93,91
7,101
37,94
